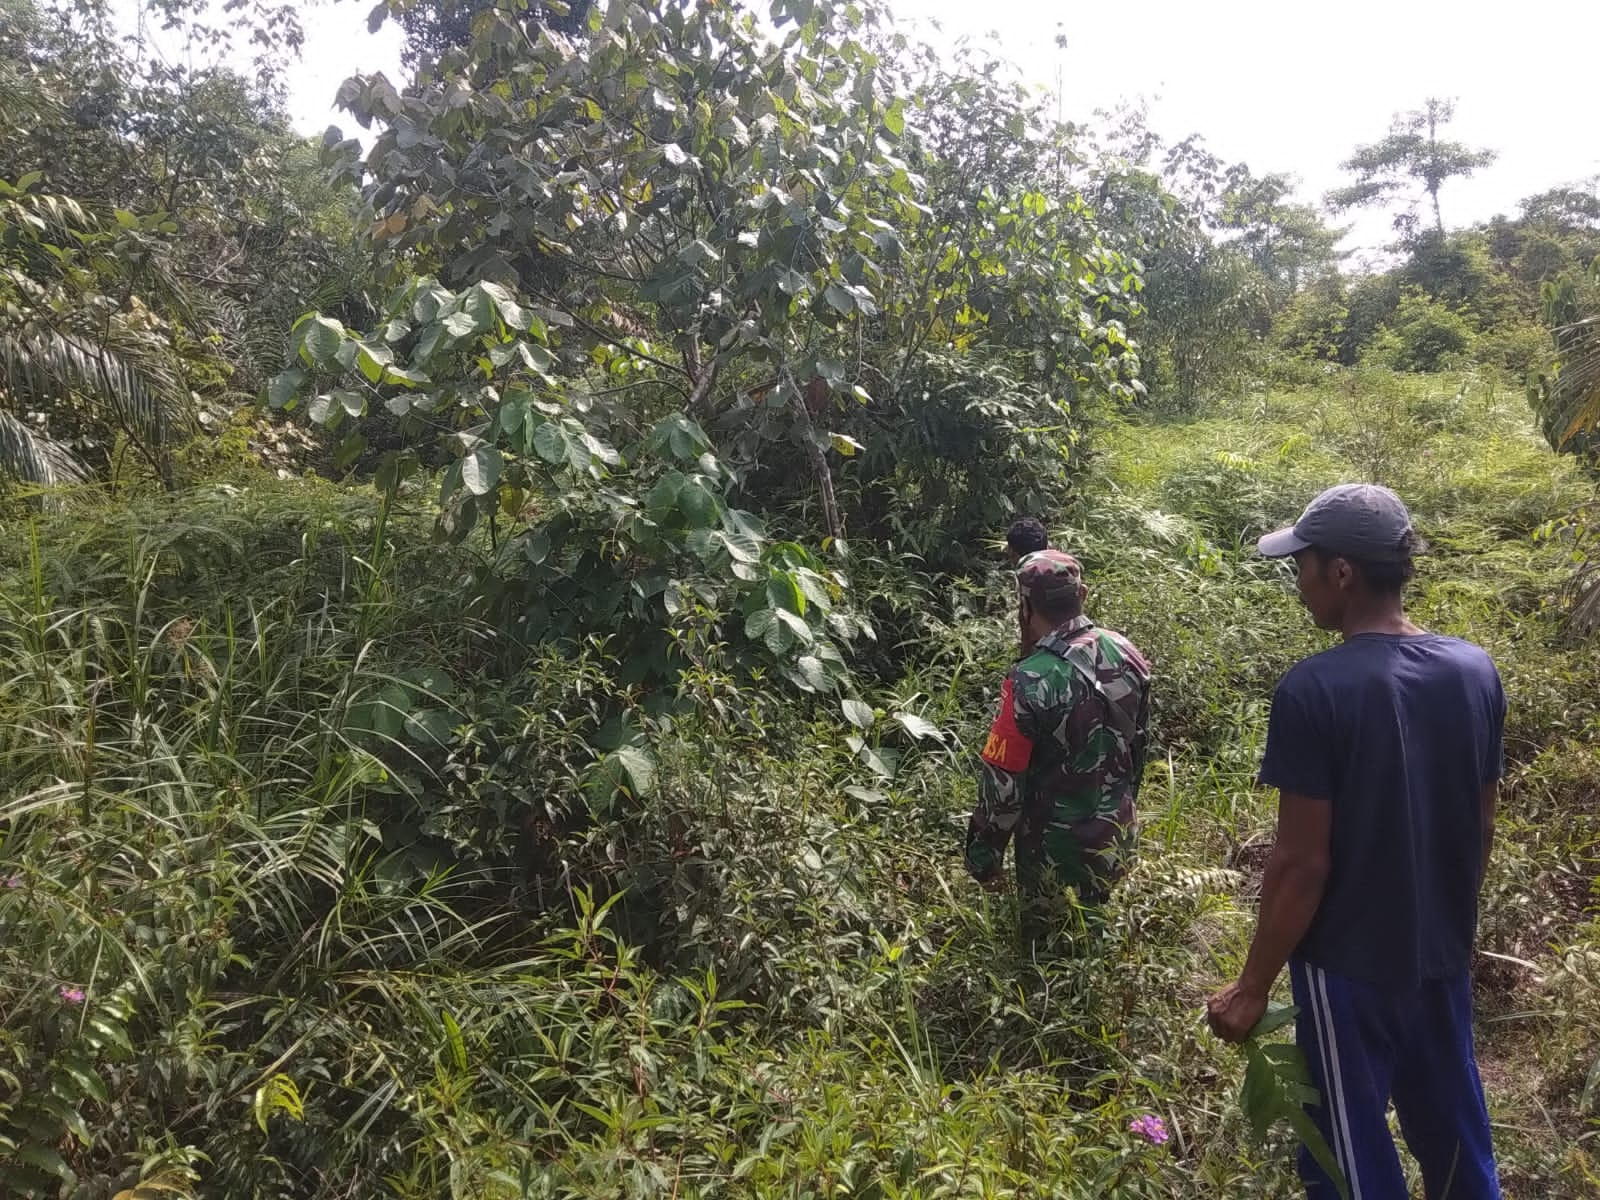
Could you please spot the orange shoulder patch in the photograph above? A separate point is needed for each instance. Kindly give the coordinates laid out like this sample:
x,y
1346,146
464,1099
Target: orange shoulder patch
x,y
1006,747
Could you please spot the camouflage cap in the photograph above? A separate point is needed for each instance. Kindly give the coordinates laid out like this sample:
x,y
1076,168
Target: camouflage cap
x,y
1048,577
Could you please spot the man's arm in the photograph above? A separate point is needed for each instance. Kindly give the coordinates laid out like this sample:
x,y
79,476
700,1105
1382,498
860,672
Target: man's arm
x,y
1291,890
1006,754
993,822
1490,797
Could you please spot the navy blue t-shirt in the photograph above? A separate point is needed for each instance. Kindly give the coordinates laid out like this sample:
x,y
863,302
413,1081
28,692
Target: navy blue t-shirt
x,y
1400,733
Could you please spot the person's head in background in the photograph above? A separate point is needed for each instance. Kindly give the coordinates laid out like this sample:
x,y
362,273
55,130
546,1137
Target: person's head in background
x,y
1025,536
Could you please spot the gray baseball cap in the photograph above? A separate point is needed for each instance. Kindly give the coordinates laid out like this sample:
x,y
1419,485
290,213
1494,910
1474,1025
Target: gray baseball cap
x,y
1361,520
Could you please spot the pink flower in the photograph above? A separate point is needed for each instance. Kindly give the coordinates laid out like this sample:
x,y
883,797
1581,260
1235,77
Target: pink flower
x,y
1152,1129
72,995
11,881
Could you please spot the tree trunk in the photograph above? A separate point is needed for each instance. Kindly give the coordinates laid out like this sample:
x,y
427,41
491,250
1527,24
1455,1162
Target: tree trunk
x,y
819,461
830,503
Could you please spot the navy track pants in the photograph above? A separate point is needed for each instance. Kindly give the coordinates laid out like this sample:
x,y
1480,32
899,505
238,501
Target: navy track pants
x,y
1366,1046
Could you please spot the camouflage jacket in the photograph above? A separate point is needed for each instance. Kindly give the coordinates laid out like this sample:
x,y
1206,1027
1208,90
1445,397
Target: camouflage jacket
x,y
1066,751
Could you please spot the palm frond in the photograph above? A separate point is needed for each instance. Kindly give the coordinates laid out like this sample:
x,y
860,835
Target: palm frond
x,y
1577,382
1584,589
41,213
33,458
120,374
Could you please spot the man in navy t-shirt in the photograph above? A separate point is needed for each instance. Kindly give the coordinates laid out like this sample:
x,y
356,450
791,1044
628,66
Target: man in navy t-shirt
x,y
1386,753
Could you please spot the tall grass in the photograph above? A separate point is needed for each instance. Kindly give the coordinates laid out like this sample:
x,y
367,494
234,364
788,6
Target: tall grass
x,y
314,885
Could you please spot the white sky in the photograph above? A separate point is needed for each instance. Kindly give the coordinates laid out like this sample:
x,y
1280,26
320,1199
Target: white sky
x,y
1282,86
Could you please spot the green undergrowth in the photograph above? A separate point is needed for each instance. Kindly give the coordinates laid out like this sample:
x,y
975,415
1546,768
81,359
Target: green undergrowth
x,y
317,884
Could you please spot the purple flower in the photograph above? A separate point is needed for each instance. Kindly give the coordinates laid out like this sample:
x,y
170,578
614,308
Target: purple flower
x,y
1152,1129
72,995
11,881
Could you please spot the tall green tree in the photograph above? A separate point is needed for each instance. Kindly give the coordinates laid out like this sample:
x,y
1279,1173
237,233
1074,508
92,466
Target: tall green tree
x,y
1224,252
769,228
1414,154
161,232
1288,241
695,276
433,29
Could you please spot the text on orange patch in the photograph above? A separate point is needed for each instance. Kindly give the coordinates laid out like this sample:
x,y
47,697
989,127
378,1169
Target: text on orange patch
x,y
1006,747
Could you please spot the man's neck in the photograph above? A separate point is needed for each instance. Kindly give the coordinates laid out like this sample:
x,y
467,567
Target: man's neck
x,y
1070,626
1377,614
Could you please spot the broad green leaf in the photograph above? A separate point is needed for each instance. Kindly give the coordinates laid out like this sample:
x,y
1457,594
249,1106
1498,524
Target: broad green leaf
x,y
866,795
736,520
742,547
815,590
550,442
1274,1019
811,670
857,713
796,626
894,120
285,386
349,452
512,313
479,303
840,300
45,1158
1258,1095
480,470
919,727
434,682
109,1032
700,251
383,714
430,727
460,325
536,358
783,591
879,762
87,1079
1317,1146
578,456
513,412
600,450
685,439
404,376
372,360
638,766
698,503
763,624
662,499
320,339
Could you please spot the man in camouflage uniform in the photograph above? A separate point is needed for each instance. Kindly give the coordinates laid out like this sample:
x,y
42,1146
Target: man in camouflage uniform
x,y
1062,764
